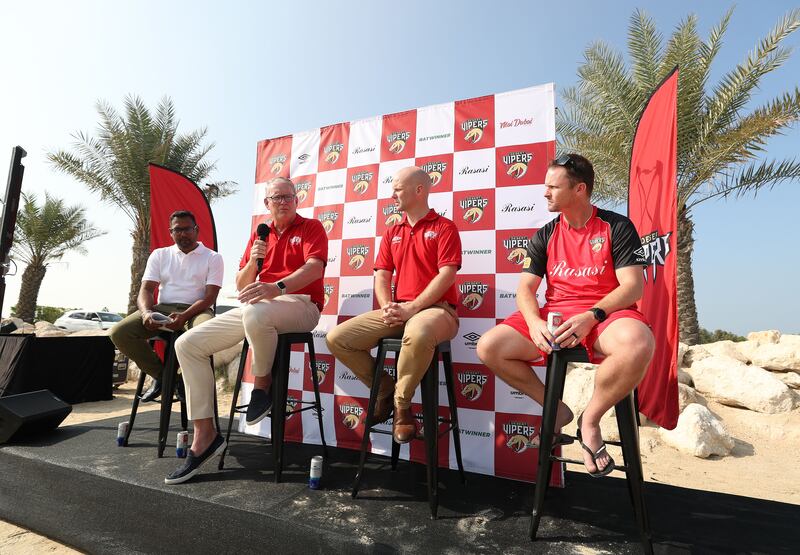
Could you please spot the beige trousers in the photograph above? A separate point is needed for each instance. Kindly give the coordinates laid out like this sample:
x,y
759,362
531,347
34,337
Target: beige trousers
x,y
351,341
260,323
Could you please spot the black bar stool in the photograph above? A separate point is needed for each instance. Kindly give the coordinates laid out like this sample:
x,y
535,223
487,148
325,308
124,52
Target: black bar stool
x,y
430,417
168,381
280,387
629,435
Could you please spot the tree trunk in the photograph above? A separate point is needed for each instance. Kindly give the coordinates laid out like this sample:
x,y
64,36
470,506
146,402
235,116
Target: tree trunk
x,y
140,252
29,291
687,309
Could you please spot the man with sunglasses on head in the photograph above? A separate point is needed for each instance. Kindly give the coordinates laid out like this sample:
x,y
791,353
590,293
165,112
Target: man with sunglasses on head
x,y
285,296
592,260
189,276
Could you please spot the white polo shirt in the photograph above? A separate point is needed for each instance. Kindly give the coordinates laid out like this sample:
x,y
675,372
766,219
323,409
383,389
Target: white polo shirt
x,y
182,277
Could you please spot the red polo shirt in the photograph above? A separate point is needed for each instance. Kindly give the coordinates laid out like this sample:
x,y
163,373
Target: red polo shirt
x,y
416,254
305,238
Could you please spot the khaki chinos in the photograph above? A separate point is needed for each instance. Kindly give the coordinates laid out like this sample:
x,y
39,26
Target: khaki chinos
x,y
352,340
130,336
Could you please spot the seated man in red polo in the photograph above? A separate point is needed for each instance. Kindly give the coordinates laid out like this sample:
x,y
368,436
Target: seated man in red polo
x,y
593,262
423,251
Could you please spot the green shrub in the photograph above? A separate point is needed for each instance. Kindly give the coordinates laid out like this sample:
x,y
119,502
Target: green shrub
x,y
718,335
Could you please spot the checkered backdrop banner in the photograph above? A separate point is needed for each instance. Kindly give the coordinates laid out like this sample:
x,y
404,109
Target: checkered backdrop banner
x,y
487,159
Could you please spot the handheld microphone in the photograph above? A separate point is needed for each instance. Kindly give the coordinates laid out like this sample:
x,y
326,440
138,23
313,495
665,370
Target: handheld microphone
x,y
263,232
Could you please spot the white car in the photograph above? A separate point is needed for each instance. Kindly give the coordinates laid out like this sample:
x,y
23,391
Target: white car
x,y
76,320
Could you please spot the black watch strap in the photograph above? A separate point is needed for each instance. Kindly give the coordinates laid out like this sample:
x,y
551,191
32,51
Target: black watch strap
x,y
599,314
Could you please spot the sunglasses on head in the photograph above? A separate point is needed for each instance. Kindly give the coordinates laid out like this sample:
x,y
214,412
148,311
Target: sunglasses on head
x,y
566,161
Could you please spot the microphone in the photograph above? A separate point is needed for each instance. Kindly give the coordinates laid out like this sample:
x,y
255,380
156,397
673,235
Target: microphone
x,y
263,232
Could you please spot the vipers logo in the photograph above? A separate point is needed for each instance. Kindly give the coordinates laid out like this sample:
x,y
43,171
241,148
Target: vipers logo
x,y
351,415
435,171
291,404
322,368
302,188
654,252
276,163
397,141
328,219
473,207
329,291
517,163
392,214
521,436
473,292
473,129
471,384
358,255
332,152
517,248
361,181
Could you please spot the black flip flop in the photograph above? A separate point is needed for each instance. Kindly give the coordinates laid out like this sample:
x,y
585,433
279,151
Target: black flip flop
x,y
594,454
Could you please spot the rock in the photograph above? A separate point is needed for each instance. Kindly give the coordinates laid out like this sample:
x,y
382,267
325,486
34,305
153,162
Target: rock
x,y
687,396
133,371
790,340
11,324
224,358
232,370
762,337
578,386
54,332
682,349
791,379
725,348
694,354
779,357
43,326
699,433
84,333
685,378
734,383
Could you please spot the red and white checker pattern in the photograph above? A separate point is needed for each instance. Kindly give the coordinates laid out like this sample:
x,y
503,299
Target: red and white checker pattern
x,y
487,158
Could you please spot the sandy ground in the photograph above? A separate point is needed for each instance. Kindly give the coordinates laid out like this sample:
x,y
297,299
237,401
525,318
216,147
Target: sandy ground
x,y
760,465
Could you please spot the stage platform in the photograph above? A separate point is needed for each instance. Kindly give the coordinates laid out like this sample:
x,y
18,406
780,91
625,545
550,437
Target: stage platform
x,y
76,486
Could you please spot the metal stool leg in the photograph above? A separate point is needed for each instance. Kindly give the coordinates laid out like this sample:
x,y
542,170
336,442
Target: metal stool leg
x,y
280,385
368,422
237,386
554,387
216,407
629,435
167,393
451,401
312,359
134,407
430,426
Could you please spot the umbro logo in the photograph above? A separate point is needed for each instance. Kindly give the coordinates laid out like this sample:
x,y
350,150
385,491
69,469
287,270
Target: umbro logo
x,y
472,336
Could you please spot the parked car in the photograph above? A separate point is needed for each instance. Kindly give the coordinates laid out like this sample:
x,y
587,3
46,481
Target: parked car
x,y
76,320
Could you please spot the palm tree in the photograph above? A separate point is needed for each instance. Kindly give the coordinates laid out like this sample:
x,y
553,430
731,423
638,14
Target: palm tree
x,y
114,165
721,138
43,234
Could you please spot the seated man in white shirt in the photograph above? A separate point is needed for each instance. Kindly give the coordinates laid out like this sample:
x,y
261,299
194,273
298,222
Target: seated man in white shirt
x,y
189,276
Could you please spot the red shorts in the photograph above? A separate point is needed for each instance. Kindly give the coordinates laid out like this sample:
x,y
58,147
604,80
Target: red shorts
x,y
517,321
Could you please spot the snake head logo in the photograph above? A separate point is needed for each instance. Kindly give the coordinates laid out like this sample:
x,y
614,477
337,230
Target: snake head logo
x,y
473,301
517,255
302,195
328,225
518,443
332,157
397,146
393,219
320,376
474,214
350,421
474,135
276,168
472,391
517,170
361,187
356,261
327,298
436,177
291,403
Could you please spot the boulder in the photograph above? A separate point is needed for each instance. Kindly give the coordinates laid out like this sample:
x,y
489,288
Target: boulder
x,y
682,349
699,433
694,354
578,386
726,349
11,324
779,357
84,333
685,378
791,379
44,326
762,337
687,396
790,340
224,358
734,383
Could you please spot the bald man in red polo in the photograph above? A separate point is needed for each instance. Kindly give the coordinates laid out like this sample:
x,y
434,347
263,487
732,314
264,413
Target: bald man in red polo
x,y
423,252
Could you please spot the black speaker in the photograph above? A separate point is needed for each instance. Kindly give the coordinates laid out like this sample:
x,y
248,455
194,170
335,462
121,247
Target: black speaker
x,y
30,413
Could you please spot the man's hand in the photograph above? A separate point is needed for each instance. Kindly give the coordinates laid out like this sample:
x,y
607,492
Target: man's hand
x,y
572,331
258,291
396,314
541,336
258,250
178,321
149,323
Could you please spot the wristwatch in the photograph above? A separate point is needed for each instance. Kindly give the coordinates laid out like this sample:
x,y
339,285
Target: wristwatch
x,y
599,314
281,286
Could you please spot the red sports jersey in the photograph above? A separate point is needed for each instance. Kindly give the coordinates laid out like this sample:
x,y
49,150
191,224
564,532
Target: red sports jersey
x,y
305,238
417,254
580,263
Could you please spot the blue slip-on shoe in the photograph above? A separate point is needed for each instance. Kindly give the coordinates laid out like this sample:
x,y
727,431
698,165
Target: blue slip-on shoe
x,y
193,462
260,403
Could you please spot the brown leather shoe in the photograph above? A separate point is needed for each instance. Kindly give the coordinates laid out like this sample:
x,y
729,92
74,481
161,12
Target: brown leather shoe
x,y
383,405
404,428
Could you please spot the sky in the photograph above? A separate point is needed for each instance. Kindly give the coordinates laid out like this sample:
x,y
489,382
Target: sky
x,y
254,70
